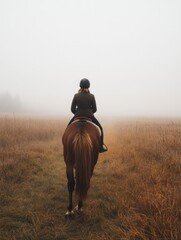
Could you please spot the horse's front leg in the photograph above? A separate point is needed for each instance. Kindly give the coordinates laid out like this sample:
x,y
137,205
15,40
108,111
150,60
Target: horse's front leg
x,y
70,185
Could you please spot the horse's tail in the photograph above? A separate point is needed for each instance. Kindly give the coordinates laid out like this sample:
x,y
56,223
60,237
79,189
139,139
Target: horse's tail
x,y
83,163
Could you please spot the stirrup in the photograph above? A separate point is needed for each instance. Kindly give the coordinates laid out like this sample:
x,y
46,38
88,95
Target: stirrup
x,y
103,148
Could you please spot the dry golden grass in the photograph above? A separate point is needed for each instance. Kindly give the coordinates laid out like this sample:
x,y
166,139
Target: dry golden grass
x,y
135,191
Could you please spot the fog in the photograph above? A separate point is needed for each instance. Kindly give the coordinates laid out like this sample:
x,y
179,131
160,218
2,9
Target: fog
x,y
129,50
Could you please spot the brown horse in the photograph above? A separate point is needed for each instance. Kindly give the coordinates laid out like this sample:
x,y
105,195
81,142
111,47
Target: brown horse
x,y
81,144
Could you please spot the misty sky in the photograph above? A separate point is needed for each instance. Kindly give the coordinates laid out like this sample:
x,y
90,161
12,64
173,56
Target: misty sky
x,y
129,50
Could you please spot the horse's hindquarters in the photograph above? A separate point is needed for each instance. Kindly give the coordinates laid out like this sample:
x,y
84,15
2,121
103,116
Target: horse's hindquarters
x,y
81,142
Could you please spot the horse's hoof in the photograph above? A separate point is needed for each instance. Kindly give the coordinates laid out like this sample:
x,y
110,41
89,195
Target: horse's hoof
x,y
78,210
69,214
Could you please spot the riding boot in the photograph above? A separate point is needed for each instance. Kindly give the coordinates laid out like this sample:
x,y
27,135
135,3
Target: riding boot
x,y
103,146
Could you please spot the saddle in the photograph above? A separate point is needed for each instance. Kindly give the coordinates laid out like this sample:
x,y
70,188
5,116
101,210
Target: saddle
x,y
83,119
86,119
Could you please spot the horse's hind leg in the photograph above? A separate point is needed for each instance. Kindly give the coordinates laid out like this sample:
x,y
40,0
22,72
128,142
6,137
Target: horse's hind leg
x,y
80,204
70,185
79,208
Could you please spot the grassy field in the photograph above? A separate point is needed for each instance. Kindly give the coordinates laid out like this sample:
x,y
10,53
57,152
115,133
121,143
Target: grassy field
x,y
135,191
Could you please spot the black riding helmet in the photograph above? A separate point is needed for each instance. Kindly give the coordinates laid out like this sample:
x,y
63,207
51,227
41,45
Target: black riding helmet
x,y
84,83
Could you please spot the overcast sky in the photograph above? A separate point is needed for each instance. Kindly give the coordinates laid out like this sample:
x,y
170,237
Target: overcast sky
x,y
129,50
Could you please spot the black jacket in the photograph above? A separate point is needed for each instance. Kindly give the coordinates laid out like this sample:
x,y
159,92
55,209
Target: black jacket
x,y
83,104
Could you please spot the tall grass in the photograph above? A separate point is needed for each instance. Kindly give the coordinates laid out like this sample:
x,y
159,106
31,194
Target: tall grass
x,y
135,191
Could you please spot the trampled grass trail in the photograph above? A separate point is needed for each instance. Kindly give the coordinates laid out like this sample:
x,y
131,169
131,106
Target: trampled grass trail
x,y
135,190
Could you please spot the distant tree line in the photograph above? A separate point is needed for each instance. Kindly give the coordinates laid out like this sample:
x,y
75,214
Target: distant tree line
x,y
9,103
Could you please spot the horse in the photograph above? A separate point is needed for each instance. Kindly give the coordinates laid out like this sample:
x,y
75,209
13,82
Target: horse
x,y
81,145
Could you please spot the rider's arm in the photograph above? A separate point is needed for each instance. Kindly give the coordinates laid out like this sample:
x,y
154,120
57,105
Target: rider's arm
x,y
73,105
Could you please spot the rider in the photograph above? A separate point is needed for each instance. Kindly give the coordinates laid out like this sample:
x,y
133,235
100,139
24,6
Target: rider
x,y
84,104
